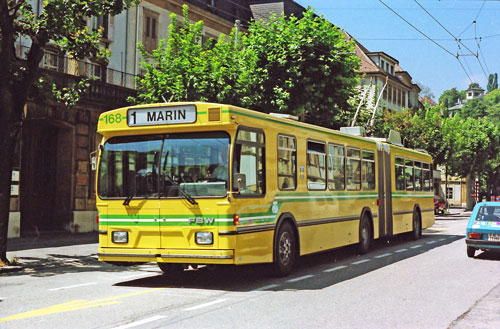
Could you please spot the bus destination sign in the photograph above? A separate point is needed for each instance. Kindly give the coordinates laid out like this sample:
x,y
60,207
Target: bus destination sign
x,y
167,115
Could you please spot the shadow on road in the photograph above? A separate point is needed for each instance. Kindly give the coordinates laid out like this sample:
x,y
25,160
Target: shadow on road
x,y
322,270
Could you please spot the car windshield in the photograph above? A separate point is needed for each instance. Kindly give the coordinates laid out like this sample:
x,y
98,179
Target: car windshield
x,y
488,213
172,165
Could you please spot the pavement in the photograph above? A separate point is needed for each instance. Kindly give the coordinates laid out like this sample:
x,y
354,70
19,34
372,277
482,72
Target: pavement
x,y
20,250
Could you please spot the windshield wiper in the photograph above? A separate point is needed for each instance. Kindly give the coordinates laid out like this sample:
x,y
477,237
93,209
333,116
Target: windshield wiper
x,y
182,192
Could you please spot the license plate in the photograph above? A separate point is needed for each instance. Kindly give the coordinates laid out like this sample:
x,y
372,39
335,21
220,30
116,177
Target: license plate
x,y
493,237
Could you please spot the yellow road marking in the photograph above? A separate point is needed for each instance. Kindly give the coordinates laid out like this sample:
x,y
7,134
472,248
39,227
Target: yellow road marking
x,y
75,305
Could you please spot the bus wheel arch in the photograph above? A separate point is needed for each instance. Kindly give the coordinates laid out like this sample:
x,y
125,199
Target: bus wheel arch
x,y
286,247
416,232
366,231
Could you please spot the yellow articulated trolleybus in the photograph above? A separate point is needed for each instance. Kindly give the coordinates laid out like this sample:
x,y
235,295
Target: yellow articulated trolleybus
x,y
184,184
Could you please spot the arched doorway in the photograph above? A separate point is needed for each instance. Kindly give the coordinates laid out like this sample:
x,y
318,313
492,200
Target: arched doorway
x,y
46,180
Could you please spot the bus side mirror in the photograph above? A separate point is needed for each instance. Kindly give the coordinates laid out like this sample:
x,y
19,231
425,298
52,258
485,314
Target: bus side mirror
x,y
239,182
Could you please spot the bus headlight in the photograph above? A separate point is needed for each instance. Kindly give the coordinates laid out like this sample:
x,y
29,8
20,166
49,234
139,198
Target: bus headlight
x,y
204,238
119,237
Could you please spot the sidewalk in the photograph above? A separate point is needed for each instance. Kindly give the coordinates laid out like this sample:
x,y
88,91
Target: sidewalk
x,y
41,245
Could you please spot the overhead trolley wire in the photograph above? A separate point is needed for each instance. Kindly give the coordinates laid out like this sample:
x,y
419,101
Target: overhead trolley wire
x,y
425,35
456,39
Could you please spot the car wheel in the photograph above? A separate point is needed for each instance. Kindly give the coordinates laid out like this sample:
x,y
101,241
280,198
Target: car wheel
x,y
285,250
365,235
417,226
170,268
471,251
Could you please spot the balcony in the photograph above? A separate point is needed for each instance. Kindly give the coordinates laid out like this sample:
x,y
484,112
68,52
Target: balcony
x,y
110,88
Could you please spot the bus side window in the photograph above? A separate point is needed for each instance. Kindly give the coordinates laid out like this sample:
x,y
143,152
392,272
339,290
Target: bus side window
x,y
316,166
287,162
427,177
418,176
249,160
336,167
368,170
400,174
353,169
409,175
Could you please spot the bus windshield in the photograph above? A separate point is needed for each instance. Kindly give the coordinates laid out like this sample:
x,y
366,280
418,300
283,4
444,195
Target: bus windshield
x,y
165,166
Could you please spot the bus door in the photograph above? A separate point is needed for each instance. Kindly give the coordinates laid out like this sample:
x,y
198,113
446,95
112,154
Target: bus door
x,y
388,190
128,186
381,189
194,177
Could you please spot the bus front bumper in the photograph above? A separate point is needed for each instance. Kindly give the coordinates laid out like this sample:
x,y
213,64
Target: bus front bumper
x,y
184,256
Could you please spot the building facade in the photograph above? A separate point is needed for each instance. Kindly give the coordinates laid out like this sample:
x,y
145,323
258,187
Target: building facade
x,y
53,186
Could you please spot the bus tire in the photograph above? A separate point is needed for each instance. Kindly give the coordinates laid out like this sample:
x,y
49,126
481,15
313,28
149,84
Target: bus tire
x,y
170,268
285,250
416,233
365,235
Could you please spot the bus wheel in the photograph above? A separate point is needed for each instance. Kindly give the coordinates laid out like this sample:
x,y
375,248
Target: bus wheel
x,y
471,251
170,268
417,226
285,250
365,235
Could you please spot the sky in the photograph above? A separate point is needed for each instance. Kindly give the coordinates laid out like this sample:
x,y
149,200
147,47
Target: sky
x,y
431,63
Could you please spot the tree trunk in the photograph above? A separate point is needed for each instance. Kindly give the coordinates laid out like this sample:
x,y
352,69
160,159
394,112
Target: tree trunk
x,y
468,192
9,123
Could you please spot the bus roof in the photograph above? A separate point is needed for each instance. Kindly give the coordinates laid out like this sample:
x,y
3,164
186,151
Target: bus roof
x,y
154,118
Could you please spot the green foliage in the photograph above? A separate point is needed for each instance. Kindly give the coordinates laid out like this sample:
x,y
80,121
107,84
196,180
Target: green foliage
x,y
450,97
297,66
474,108
419,130
183,69
492,82
306,67
472,143
63,23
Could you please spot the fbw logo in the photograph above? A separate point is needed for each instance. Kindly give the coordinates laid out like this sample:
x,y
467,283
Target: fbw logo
x,y
201,220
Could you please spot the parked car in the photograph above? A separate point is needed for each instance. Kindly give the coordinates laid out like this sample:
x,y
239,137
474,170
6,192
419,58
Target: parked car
x,y
439,205
483,229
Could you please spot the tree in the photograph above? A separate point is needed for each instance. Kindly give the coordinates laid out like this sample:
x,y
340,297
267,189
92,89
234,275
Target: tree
x,y
61,23
492,82
305,67
419,130
474,108
425,91
474,142
184,69
297,66
449,97
489,86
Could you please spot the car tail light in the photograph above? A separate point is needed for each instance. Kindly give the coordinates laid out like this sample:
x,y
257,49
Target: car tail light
x,y
97,219
236,219
474,235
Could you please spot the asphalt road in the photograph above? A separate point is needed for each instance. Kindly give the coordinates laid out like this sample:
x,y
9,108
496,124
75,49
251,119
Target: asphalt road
x,y
429,283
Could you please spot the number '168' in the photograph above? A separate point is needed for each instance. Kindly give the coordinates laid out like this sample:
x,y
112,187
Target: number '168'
x,y
113,118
